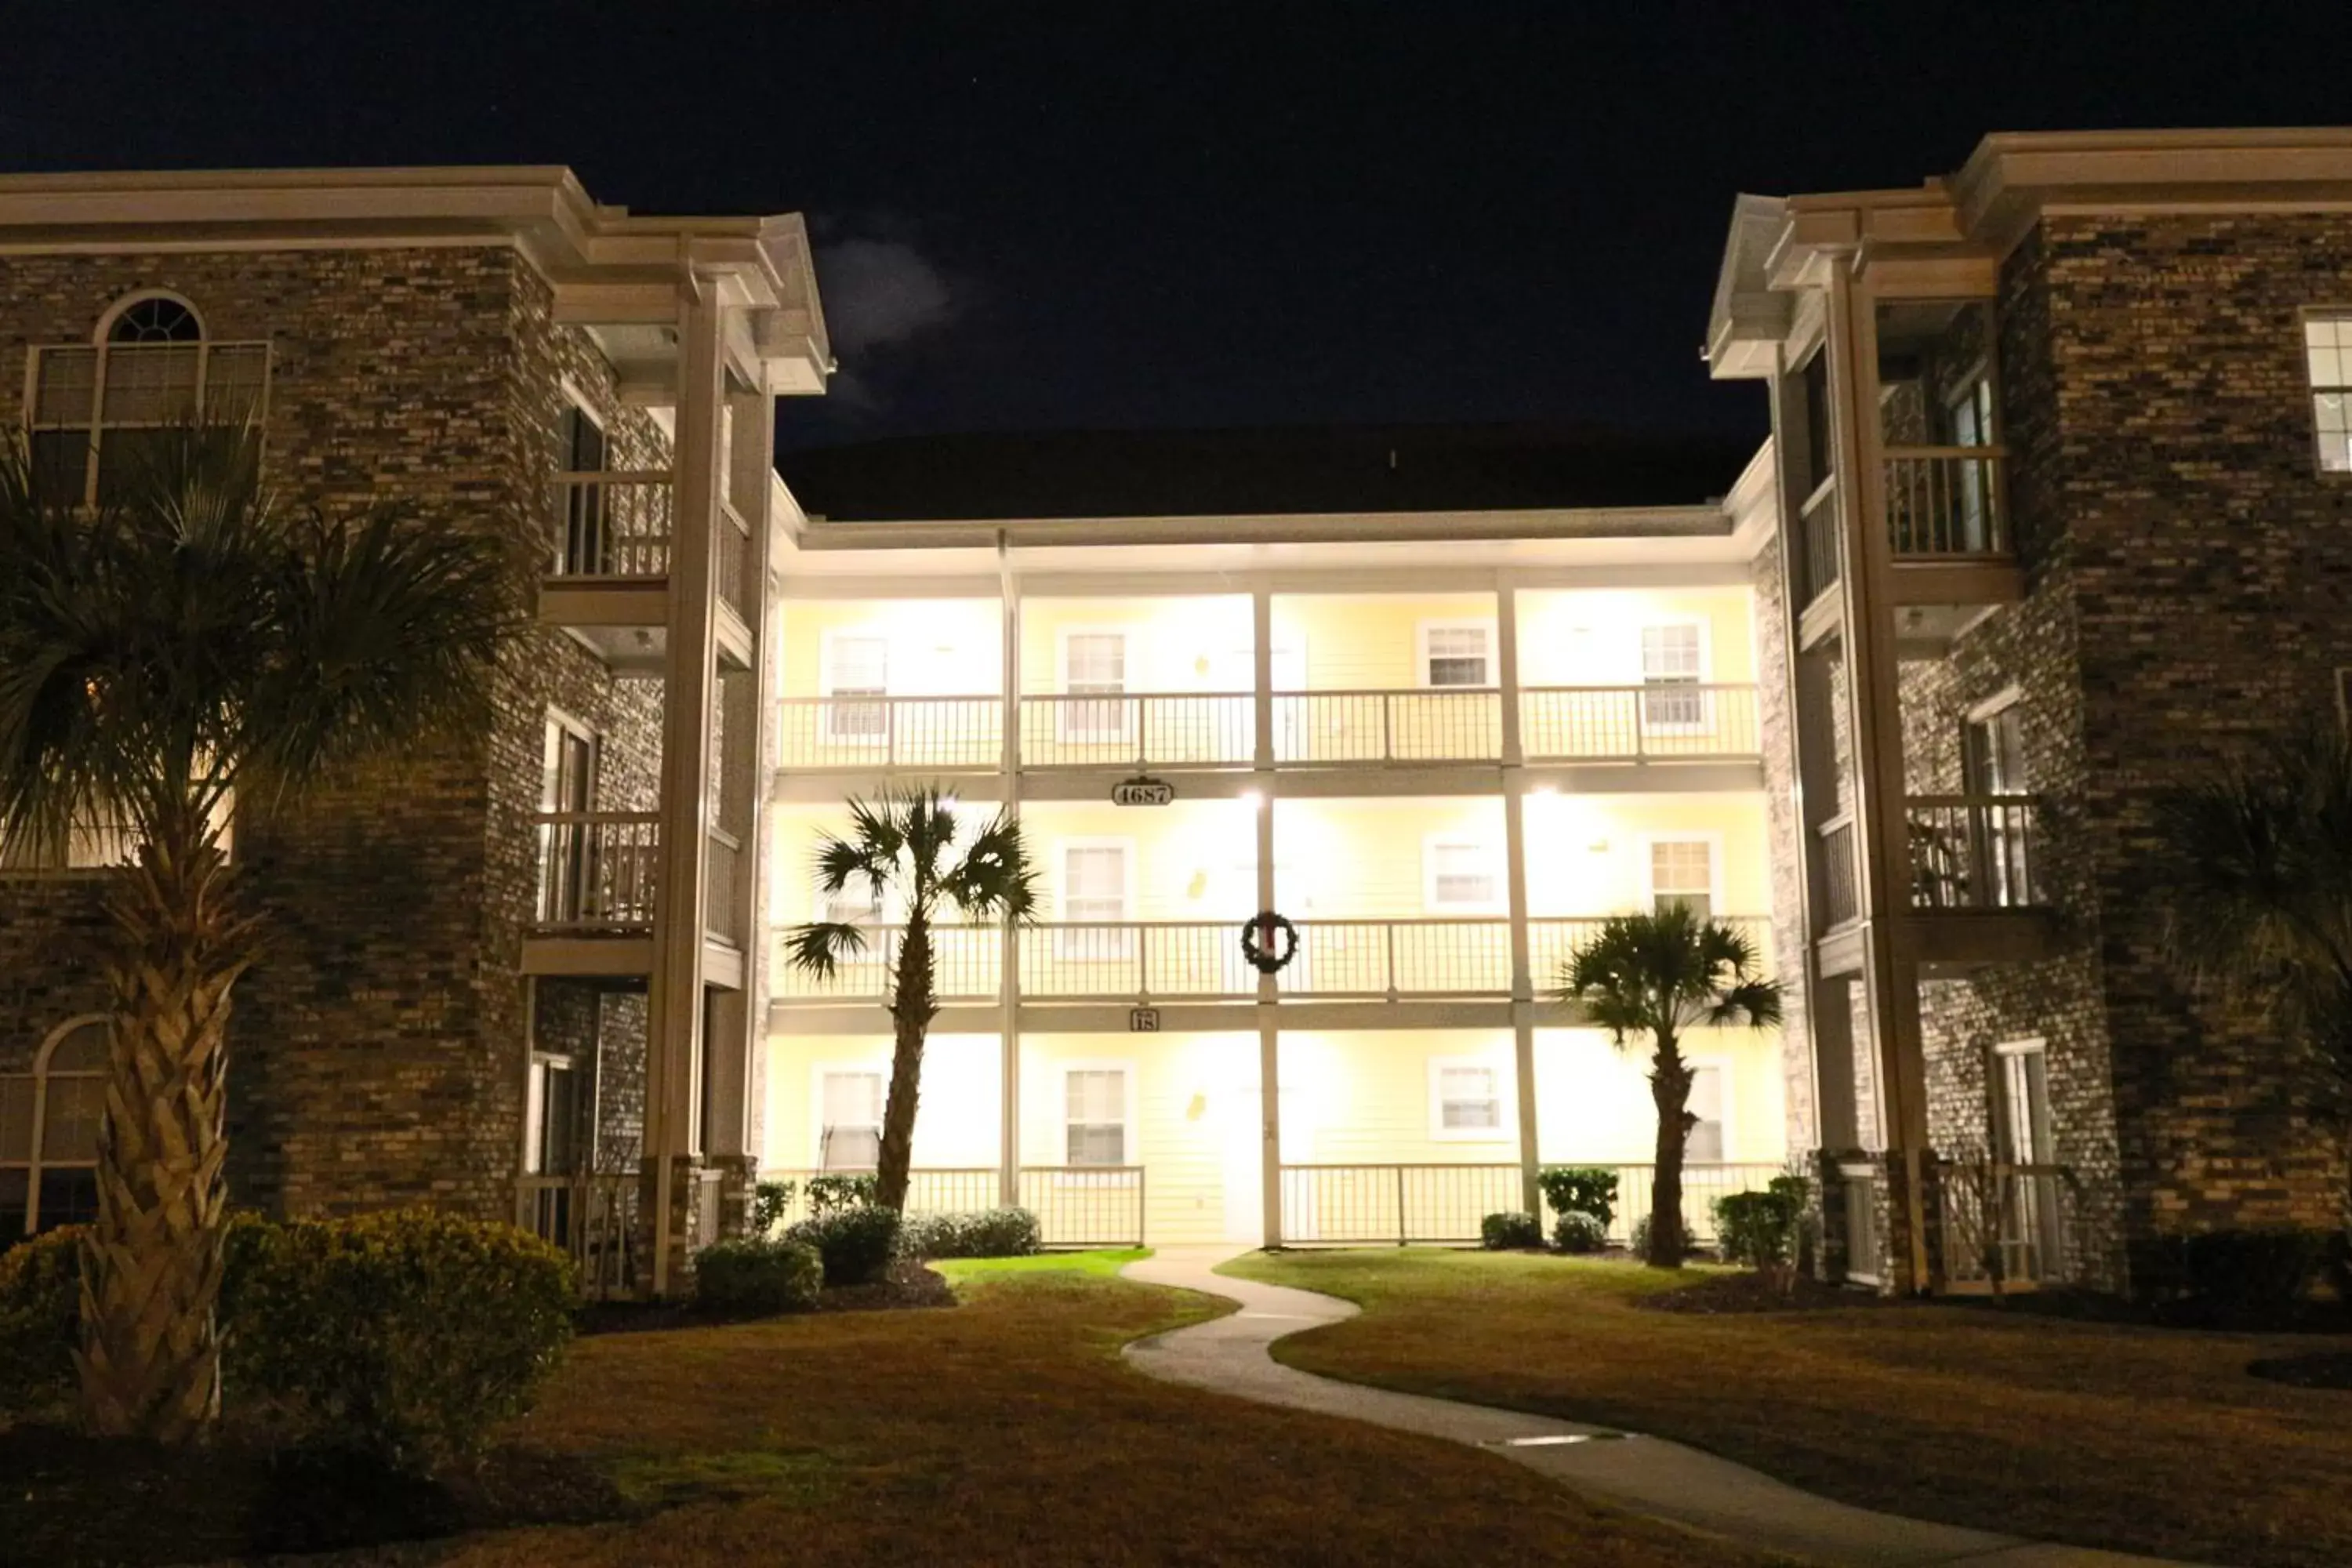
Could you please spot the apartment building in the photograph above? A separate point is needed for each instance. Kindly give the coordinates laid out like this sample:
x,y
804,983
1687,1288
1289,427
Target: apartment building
x,y
529,953
2064,477
1445,745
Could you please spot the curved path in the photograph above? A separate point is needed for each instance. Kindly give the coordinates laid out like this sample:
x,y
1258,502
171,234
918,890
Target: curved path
x,y
1645,1475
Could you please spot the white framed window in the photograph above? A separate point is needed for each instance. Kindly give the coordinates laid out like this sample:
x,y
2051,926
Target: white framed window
x,y
849,1102
2327,360
587,547
554,1125
1466,1097
854,673
100,410
1674,671
1094,664
49,1131
570,867
1097,899
1710,1138
1457,654
855,905
1461,876
1967,422
1685,869
1097,1113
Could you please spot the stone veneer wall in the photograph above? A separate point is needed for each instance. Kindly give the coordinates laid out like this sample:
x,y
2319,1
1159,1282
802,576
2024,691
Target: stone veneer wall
x,y
1784,838
379,1050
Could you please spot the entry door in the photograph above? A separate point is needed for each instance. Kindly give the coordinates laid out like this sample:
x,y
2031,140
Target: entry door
x,y
1993,754
1243,1130
567,792
2030,1202
1969,415
581,451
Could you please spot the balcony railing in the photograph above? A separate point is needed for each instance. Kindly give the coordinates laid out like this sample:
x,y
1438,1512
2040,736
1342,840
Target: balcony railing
x,y
737,586
722,914
1821,536
1075,1206
1971,852
860,733
966,964
612,525
1946,501
593,1219
1389,960
1637,723
1841,891
2004,1224
1552,942
1139,730
597,869
1135,960
1441,1205
1423,726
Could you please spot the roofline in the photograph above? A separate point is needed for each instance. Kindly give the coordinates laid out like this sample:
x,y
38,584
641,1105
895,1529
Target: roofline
x,y
1699,520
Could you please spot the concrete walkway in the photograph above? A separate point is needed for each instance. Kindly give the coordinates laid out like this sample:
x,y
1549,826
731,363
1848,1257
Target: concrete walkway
x,y
1645,1475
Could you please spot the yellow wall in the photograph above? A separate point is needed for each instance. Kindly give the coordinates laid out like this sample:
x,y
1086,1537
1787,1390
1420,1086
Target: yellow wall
x,y
1194,860
939,647
1199,644
1363,860
955,1119
1366,642
1589,854
1593,638
1592,1102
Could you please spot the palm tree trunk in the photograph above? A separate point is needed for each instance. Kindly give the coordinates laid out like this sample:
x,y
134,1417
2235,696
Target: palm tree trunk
x,y
912,1009
150,1356
1670,1083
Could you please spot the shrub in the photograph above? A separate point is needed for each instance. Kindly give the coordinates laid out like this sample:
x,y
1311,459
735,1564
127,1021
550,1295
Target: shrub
x,y
2232,1271
755,1277
1638,1238
1764,1229
405,1335
987,1233
830,1194
1587,1189
1579,1231
41,1315
856,1243
771,1201
1502,1232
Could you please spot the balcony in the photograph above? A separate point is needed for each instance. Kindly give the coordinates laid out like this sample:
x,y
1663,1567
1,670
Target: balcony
x,y
1463,725
1948,526
966,964
1971,852
1139,730
598,872
607,577
873,734
1441,1204
1136,961
1552,942
1657,722
1393,959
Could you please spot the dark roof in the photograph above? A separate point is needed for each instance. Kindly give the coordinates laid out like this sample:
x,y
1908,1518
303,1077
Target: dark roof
x,y
1224,473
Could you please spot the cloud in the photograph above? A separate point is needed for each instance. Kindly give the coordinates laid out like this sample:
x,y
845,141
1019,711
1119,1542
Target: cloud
x,y
881,292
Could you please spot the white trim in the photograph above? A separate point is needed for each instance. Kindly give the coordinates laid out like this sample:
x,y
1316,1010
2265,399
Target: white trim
x,y
1128,868
878,1069
1130,1100
1506,1128
826,662
1124,732
36,1132
2007,697
1721,1064
116,312
1485,624
1457,839
1712,838
1705,719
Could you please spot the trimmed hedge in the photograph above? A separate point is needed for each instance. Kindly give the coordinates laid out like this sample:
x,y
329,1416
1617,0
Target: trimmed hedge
x,y
1588,1189
2232,1271
830,1194
754,1277
987,1233
1764,1230
856,1244
1579,1231
40,1319
405,1335
1502,1231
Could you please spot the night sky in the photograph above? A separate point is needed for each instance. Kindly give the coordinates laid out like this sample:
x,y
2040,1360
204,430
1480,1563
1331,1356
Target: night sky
x,y
1184,213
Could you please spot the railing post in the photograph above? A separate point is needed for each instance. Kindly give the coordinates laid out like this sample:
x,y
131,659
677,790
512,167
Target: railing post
x,y
1387,737
1405,1231
1388,935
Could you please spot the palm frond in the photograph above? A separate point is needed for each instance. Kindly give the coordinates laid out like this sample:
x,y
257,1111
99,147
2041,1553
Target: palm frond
x,y
818,948
994,878
1657,974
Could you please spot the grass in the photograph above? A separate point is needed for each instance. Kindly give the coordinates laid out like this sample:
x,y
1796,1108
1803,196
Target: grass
x,y
1105,1265
1006,1430
2145,1440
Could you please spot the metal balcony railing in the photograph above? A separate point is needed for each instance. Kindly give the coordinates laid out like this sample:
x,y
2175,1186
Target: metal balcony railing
x,y
1971,852
738,579
1398,958
1659,721
1821,543
856,733
611,524
1552,942
722,914
1946,501
1840,888
1139,730
593,1217
1075,1206
597,870
2005,1225
1135,960
1352,1205
967,962
1418,726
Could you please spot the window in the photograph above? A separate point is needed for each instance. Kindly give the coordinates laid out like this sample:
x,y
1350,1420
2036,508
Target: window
x,y
101,411
1993,866
1968,418
1674,664
1705,1145
1462,877
2328,355
855,905
1466,1099
856,675
48,1132
553,1125
1682,871
1095,900
1095,1115
849,1131
1456,653
1095,663
587,545
569,861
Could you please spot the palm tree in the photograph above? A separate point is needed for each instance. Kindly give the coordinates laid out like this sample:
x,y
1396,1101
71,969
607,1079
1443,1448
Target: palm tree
x,y
1660,974
2262,912
902,850
189,647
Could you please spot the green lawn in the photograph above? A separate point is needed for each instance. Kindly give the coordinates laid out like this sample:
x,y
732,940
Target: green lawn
x,y
1105,1264
2143,1440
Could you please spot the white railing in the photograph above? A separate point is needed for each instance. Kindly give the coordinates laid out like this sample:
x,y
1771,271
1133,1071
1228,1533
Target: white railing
x,y
966,964
1139,730
1357,1205
592,1217
611,524
1821,536
597,869
1637,723
1135,959
1075,1206
1420,726
854,733
1946,501
723,913
1704,1181
2004,1224
1398,958
1841,880
1971,852
736,579
1552,942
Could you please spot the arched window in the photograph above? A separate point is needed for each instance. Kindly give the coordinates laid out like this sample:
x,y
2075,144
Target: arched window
x,y
99,408
48,1132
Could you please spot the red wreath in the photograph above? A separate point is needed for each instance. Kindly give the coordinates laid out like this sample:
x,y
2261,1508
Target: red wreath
x,y
1269,942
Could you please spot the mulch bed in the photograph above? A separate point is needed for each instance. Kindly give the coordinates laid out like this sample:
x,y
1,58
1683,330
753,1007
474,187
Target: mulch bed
x,y
1745,1293
71,1499
2089,1306
908,1285
2322,1369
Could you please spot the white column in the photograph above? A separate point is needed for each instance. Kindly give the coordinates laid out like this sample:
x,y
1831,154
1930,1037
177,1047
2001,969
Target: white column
x,y
1008,1130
